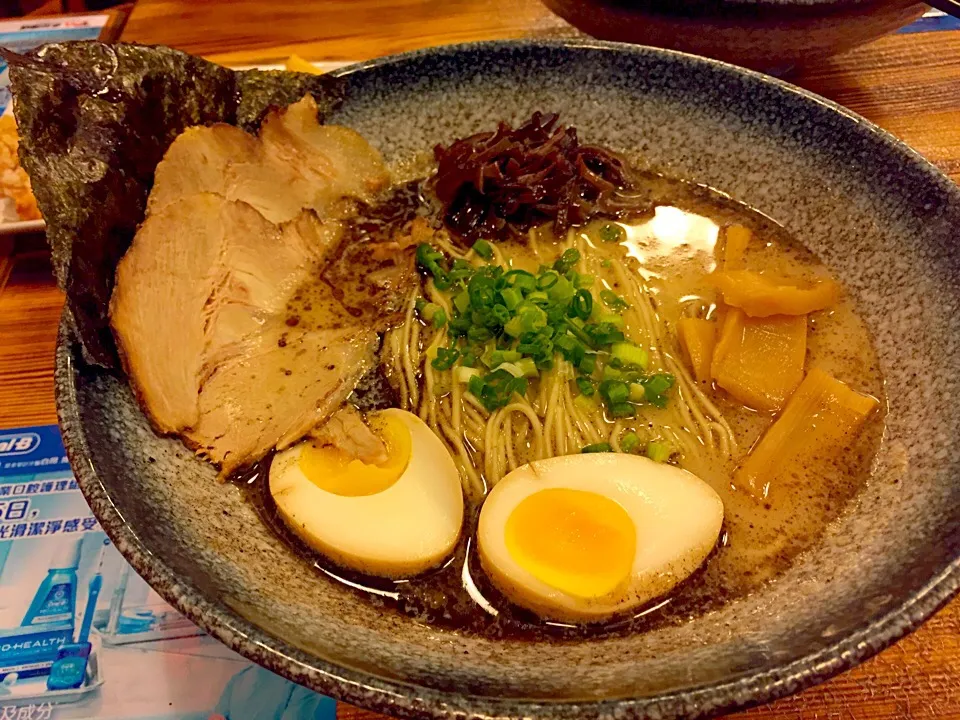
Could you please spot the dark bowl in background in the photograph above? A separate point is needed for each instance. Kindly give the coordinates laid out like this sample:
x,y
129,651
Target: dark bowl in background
x,y
770,35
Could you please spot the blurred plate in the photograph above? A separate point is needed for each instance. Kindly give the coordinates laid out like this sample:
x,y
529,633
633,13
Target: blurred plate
x,y
21,226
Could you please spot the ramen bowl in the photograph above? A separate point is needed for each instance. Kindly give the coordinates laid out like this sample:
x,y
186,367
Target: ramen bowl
x,y
880,216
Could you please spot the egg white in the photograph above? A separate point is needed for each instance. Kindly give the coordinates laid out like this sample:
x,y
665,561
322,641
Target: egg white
x,y
677,518
409,528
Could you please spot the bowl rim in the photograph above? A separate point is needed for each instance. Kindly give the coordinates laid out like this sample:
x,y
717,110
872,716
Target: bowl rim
x,y
414,701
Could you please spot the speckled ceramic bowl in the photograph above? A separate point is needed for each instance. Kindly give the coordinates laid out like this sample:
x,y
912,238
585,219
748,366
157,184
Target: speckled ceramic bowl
x,y
884,220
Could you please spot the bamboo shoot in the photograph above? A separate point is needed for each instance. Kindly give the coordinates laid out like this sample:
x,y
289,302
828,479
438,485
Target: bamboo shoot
x,y
821,417
698,339
737,237
760,296
759,361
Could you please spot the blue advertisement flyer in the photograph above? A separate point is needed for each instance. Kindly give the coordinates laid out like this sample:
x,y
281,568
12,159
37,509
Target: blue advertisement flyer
x,y
23,35
82,636
933,20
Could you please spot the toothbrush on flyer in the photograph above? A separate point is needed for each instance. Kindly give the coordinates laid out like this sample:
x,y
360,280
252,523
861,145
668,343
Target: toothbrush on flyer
x,y
93,592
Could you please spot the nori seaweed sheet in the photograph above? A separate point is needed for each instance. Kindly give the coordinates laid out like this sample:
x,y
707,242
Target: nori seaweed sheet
x,y
94,121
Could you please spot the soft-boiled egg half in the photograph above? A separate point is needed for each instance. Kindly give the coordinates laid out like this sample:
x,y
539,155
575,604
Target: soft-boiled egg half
x,y
582,537
394,519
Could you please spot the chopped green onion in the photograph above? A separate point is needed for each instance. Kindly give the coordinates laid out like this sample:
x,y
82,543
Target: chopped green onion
x,y
482,290
629,442
475,384
469,358
527,367
544,362
614,391
630,354
428,310
526,283
541,350
611,233
501,356
556,315
561,291
515,323
587,364
532,342
539,298
616,320
547,280
655,388
608,263
461,301
429,259
659,451
458,326
611,373
613,301
478,334
521,280
511,297
459,274
495,390
586,387
486,357
600,447
587,403
622,410
445,358
510,368
566,344
462,269
572,349
532,318
603,333
617,392
575,326
582,304
483,249
514,327
463,374
427,255
499,314
566,261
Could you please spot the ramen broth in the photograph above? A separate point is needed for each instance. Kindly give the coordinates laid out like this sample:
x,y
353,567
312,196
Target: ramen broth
x,y
672,247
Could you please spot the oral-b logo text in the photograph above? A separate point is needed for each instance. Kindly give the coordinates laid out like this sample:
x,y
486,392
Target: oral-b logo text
x,y
18,444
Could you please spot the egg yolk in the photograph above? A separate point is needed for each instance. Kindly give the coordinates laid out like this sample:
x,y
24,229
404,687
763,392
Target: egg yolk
x,y
335,471
576,541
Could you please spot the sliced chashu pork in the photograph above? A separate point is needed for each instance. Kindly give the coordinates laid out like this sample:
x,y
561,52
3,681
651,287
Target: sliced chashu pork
x,y
272,394
294,164
228,334
347,431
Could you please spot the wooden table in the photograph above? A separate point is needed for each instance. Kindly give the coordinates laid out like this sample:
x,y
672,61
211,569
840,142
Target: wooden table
x,y
908,84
